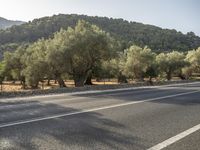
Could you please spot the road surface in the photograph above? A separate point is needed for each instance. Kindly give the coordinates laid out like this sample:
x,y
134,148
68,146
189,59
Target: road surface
x,y
153,118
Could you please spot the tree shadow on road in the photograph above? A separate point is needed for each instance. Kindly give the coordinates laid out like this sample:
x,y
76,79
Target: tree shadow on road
x,y
83,131
151,93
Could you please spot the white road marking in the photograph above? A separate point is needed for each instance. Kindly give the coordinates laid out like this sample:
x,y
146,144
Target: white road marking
x,y
90,110
176,138
95,91
27,103
55,101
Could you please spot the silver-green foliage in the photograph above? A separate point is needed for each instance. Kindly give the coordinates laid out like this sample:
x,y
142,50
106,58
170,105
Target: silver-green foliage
x,y
35,62
82,48
170,63
138,60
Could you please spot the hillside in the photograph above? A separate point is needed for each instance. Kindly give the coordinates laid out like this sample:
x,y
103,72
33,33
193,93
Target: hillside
x,y
156,38
4,23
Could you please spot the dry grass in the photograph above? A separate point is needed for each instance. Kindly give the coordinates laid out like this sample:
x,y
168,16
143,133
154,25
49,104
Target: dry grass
x,y
10,86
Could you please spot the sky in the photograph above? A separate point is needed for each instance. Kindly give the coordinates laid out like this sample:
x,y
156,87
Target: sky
x,y
182,15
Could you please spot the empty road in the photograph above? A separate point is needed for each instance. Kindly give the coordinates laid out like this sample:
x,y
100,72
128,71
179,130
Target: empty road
x,y
149,118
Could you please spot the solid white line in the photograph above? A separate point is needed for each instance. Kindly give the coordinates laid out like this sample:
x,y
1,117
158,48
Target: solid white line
x,y
176,138
96,91
55,101
91,110
26,103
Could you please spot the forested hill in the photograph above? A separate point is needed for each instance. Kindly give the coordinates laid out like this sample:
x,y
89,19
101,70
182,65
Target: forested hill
x,y
156,38
4,23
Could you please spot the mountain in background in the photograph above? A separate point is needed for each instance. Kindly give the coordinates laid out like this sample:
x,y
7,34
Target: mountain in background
x,y
4,23
156,38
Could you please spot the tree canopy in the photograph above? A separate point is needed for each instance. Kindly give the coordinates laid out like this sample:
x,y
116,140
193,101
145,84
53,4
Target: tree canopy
x,y
170,63
75,51
138,60
83,47
128,33
85,51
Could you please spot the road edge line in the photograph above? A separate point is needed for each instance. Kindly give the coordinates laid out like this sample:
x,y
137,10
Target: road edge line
x,y
96,91
91,110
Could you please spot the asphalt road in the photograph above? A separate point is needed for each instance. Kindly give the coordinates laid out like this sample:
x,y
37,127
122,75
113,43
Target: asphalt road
x,y
165,117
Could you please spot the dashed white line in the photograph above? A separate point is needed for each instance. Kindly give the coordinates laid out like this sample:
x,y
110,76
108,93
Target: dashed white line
x,y
176,138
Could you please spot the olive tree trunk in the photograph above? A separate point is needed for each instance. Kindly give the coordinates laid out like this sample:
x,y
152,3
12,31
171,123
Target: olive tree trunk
x,y
169,75
48,82
89,80
79,80
122,78
34,86
60,80
23,82
150,80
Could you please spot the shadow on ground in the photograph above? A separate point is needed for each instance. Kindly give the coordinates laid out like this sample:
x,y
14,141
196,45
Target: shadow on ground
x,y
83,131
150,93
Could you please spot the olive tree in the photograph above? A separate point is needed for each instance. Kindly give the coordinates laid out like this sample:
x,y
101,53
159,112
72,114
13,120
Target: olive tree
x,y
112,68
35,64
106,69
2,75
193,57
13,65
170,63
138,60
56,59
83,47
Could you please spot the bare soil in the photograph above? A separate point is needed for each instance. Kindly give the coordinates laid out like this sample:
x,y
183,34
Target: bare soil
x,y
16,86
